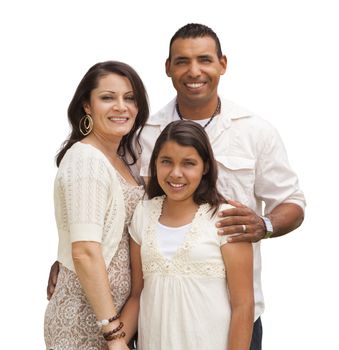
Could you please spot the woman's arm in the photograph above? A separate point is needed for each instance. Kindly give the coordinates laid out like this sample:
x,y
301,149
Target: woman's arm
x,y
91,270
130,311
238,260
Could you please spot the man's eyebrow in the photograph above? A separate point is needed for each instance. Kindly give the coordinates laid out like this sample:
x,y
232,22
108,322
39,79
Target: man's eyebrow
x,y
177,58
205,56
180,58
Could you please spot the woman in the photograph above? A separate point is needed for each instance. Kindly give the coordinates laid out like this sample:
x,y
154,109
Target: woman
x,y
96,192
179,263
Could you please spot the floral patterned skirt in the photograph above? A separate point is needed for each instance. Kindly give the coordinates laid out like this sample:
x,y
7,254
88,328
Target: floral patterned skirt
x,y
70,323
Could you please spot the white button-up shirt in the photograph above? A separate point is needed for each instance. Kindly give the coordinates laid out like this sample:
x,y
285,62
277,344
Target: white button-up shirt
x,y
252,163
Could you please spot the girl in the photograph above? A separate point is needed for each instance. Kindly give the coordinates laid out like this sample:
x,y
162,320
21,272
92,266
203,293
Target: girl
x,y
179,263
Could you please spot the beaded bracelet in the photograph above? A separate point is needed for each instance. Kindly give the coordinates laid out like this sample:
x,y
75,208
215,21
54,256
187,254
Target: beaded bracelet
x,y
115,330
102,323
115,336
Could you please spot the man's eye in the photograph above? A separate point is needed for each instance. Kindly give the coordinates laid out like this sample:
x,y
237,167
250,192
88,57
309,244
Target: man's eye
x,y
181,62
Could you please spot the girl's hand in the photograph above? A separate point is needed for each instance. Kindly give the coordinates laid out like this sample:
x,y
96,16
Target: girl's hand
x,y
118,344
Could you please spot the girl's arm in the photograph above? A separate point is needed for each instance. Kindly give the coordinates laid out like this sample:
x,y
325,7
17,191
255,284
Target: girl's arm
x,y
91,270
238,260
130,311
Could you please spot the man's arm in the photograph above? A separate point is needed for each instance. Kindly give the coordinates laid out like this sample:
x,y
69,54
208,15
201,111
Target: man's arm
x,y
276,184
285,218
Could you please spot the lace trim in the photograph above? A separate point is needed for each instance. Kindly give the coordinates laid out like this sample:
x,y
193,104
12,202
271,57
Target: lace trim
x,y
180,263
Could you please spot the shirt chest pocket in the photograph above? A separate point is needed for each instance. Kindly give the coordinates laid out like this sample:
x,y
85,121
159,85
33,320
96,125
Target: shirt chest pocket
x,y
236,178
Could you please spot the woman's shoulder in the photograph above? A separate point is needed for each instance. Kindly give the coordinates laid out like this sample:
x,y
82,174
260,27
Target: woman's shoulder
x,y
83,159
83,151
84,154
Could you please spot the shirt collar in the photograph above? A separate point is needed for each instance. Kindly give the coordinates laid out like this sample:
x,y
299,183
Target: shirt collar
x,y
163,117
229,111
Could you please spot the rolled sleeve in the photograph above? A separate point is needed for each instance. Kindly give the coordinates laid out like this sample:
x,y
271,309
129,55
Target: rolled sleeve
x,y
85,232
276,182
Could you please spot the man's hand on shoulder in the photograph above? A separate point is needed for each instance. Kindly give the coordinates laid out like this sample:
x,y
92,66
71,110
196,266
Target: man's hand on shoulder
x,y
241,222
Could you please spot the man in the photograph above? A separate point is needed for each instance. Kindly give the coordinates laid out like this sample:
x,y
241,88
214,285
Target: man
x,y
253,166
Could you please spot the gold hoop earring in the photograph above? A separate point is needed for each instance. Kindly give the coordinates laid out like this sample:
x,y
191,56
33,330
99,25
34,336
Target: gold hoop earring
x,y
86,124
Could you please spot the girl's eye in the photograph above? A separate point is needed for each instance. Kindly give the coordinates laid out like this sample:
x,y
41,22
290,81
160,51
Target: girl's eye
x,y
189,163
130,98
165,161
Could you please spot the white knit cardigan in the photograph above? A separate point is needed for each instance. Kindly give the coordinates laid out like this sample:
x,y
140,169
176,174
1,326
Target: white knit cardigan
x,y
89,203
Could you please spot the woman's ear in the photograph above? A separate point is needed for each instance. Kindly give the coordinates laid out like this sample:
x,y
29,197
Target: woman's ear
x,y
86,108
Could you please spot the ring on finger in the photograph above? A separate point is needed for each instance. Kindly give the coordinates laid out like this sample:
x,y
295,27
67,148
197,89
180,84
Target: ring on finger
x,y
244,228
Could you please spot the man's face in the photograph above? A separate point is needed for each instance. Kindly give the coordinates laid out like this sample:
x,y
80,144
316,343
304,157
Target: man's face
x,y
195,69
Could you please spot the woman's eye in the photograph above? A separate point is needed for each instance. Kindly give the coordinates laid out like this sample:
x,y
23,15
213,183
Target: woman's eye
x,y
106,98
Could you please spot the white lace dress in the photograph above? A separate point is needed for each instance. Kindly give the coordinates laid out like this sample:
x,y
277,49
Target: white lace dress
x,y
69,320
184,303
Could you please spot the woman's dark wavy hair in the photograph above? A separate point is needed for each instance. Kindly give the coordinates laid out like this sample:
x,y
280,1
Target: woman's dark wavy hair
x,y
188,133
130,143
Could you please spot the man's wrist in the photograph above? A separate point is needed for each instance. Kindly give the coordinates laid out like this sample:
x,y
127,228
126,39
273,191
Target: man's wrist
x,y
268,226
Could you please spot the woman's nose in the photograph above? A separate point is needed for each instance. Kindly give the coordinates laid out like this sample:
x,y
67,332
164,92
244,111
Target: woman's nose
x,y
120,105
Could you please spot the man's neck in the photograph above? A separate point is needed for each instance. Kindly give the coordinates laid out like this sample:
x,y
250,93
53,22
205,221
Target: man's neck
x,y
197,110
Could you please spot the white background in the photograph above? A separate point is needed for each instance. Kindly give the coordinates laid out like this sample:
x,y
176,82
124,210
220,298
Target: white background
x,y
282,64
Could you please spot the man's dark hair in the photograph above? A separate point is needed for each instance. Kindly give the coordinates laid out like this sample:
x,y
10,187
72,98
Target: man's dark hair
x,y
195,30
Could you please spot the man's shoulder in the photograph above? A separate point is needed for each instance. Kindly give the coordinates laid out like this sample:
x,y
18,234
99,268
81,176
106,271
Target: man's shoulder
x,y
163,116
241,116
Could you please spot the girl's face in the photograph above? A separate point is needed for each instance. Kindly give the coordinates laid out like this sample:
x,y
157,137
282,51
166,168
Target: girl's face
x,y
112,107
179,171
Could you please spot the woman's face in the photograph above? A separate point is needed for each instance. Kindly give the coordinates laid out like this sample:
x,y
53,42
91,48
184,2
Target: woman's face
x,y
112,107
179,171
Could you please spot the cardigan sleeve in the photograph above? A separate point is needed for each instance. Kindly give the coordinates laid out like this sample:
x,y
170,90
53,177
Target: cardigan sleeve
x,y
86,190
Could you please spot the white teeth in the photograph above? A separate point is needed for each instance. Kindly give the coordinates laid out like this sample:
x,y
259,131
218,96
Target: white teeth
x,y
118,118
194,85
176,185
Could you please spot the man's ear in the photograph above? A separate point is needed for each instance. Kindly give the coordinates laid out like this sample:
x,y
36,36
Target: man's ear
x,y
167,67
223,64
